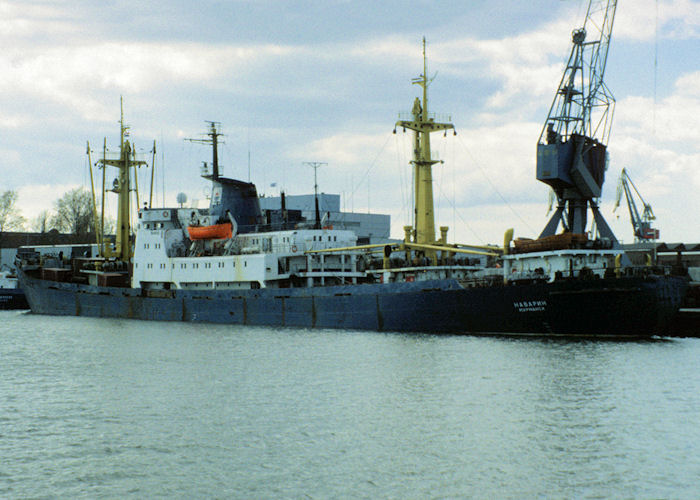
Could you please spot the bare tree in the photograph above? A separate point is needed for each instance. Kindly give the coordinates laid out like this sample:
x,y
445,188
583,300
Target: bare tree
x,y
74,212
41,221
10,217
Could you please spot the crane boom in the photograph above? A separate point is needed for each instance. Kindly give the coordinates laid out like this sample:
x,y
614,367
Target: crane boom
x,y
583,104
641,224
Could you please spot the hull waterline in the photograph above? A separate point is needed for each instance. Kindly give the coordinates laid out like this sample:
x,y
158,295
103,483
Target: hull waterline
x,y
624,307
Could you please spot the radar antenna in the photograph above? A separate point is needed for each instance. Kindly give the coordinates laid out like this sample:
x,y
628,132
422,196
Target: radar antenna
x,y
213,139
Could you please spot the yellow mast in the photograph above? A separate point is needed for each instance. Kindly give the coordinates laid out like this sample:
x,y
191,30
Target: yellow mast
x,y
423,124
122,186
419,239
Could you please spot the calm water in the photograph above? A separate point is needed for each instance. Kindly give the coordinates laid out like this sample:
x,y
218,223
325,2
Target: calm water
x,y
109,408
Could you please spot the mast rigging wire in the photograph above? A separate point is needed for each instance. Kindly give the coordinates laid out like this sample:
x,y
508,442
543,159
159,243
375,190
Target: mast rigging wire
x,y
493,186
371,166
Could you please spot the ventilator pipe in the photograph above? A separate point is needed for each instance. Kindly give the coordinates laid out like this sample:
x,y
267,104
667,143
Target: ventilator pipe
x,y
507,238
443,234
386,261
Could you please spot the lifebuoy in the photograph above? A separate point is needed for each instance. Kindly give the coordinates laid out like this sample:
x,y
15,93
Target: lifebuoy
x,y
294,248
165,214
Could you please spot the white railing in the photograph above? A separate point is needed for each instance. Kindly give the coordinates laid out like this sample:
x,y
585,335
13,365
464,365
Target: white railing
x,y
436,117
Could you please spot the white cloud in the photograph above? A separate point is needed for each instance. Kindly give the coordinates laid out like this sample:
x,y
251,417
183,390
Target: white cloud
x,y
71,75
689,85
341,149
659,145
676,19
32,199
524,65
14,121
26,20
672,120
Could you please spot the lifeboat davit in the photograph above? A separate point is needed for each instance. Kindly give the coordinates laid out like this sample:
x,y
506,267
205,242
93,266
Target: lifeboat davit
x,y
215,232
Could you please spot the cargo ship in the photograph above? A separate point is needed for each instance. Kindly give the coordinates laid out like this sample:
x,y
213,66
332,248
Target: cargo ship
x,y
11,296
229,264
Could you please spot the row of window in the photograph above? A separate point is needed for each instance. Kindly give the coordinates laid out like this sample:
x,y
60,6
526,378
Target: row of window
x,y
154,225
255,241
207,265
287,239
195,265
150,266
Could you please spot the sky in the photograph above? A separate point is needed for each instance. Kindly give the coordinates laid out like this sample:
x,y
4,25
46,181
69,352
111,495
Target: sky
x,y
324,81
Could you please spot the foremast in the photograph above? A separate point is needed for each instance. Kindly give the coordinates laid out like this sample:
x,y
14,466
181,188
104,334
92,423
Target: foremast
x,y
423,124
122,250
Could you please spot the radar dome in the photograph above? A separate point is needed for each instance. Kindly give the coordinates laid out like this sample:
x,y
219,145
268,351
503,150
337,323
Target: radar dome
x,y
181,199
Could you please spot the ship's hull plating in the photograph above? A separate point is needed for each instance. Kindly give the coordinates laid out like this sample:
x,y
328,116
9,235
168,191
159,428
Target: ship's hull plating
x,y
625,307
13,298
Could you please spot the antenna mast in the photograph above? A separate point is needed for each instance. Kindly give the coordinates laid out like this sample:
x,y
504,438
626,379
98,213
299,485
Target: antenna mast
x,y
214,141
315,165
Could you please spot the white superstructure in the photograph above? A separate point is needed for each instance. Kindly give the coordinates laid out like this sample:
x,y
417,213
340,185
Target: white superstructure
x,y
556,264
165,258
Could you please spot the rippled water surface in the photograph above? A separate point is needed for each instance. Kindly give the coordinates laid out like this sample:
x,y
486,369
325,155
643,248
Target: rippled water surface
x,y
109,408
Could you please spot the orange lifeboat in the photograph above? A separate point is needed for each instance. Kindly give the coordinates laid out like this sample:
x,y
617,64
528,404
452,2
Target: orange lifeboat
x,y
215,232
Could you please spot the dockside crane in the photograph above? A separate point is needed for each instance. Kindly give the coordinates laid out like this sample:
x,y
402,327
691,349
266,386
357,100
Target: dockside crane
x,y
572,148
640,223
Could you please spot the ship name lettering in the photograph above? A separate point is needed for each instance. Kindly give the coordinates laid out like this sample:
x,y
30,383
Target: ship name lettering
x,y
530,305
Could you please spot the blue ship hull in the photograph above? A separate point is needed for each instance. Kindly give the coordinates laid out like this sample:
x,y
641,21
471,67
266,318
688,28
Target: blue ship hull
x,y
614,307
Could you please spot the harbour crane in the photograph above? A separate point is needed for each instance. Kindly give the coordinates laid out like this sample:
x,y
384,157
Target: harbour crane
x,y
572,148
640,223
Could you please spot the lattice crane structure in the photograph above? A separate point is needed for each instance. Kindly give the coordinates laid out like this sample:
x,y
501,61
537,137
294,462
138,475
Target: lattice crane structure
x,y
641,223
572,148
